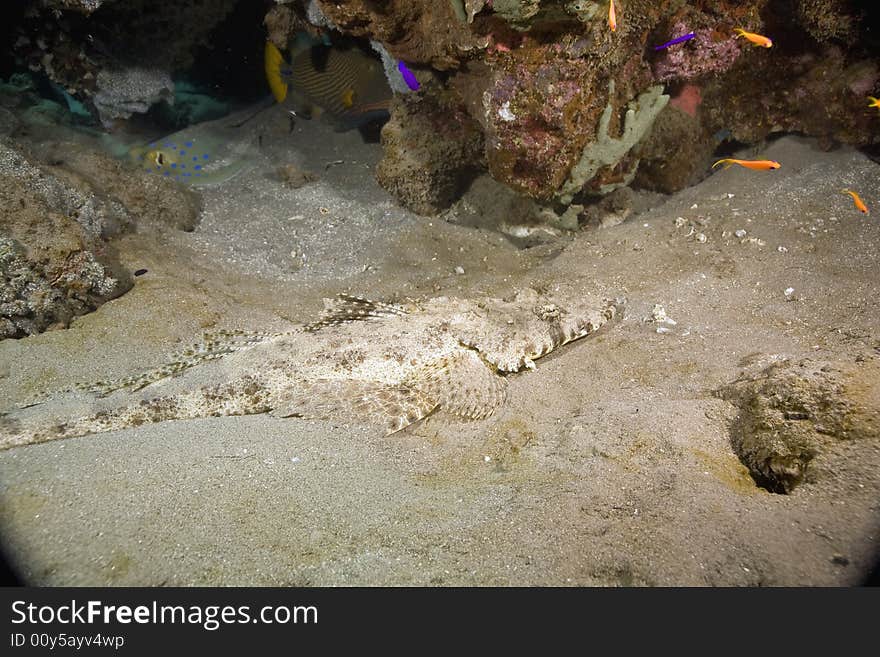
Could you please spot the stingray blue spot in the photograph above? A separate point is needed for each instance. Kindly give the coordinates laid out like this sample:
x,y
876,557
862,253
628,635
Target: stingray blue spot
x,y
167,173
205,156
198,167
158,168
195,158
183,152
174,165
152,144
187,174
198,175
189,144
183,166
169,145
148,170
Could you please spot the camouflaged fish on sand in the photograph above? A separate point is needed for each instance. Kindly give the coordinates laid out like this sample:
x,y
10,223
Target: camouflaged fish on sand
x,y
362,362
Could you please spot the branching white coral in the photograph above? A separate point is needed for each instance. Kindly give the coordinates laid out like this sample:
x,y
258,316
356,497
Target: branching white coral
x,y
608,150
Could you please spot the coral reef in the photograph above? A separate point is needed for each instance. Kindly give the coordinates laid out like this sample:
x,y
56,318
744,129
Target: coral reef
x,y
790,416
98,215
431,149
537,116
84,6
281,23
40,292
392,74
676,154
74,41
54,220
709,52
608,151
123,92
532,75
50,267
421,32
801,83
827,19
516,12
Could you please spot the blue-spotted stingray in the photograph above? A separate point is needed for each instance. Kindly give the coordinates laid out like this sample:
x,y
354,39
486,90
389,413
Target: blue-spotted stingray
x,y
192,160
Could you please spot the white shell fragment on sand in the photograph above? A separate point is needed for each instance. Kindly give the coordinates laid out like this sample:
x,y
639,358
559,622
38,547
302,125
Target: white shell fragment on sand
x,y
659,316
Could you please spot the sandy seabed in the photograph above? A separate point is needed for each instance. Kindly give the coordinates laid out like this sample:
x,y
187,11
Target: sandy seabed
x,y
611,464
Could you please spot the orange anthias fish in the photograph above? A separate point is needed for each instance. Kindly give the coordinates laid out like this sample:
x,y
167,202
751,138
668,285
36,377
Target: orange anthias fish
x,y
860,206
757,165
757,39
612,17
875,102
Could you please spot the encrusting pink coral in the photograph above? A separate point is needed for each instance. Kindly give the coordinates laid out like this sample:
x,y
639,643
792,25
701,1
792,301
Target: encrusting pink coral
x,y
708,52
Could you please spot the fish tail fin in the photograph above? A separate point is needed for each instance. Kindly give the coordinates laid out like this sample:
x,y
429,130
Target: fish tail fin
x,y
246,395
222,175
272,62
726,162
738,32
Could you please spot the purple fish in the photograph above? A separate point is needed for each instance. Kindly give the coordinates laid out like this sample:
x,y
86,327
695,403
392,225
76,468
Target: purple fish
x,y
408,76
686,37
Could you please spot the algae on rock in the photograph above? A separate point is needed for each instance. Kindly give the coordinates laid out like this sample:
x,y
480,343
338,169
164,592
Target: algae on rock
x,y
516,11
607,150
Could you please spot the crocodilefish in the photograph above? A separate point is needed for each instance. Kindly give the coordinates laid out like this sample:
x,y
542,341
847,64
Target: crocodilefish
x,y
344,85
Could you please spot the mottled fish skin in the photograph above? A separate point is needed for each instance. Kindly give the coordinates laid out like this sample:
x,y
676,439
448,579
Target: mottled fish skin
x,y
363,362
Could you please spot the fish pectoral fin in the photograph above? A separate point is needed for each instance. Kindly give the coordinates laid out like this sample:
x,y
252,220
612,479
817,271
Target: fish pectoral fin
x,y
394,407
346,308
463,385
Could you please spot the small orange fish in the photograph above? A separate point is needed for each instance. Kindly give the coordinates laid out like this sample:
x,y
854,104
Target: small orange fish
x,y
875,102
612,17
757,39
860,206
757,165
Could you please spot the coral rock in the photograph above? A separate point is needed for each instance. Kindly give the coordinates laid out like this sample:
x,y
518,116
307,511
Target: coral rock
x,y
792,419
709,52
431,150
676,154
416,31
123,92
50,267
